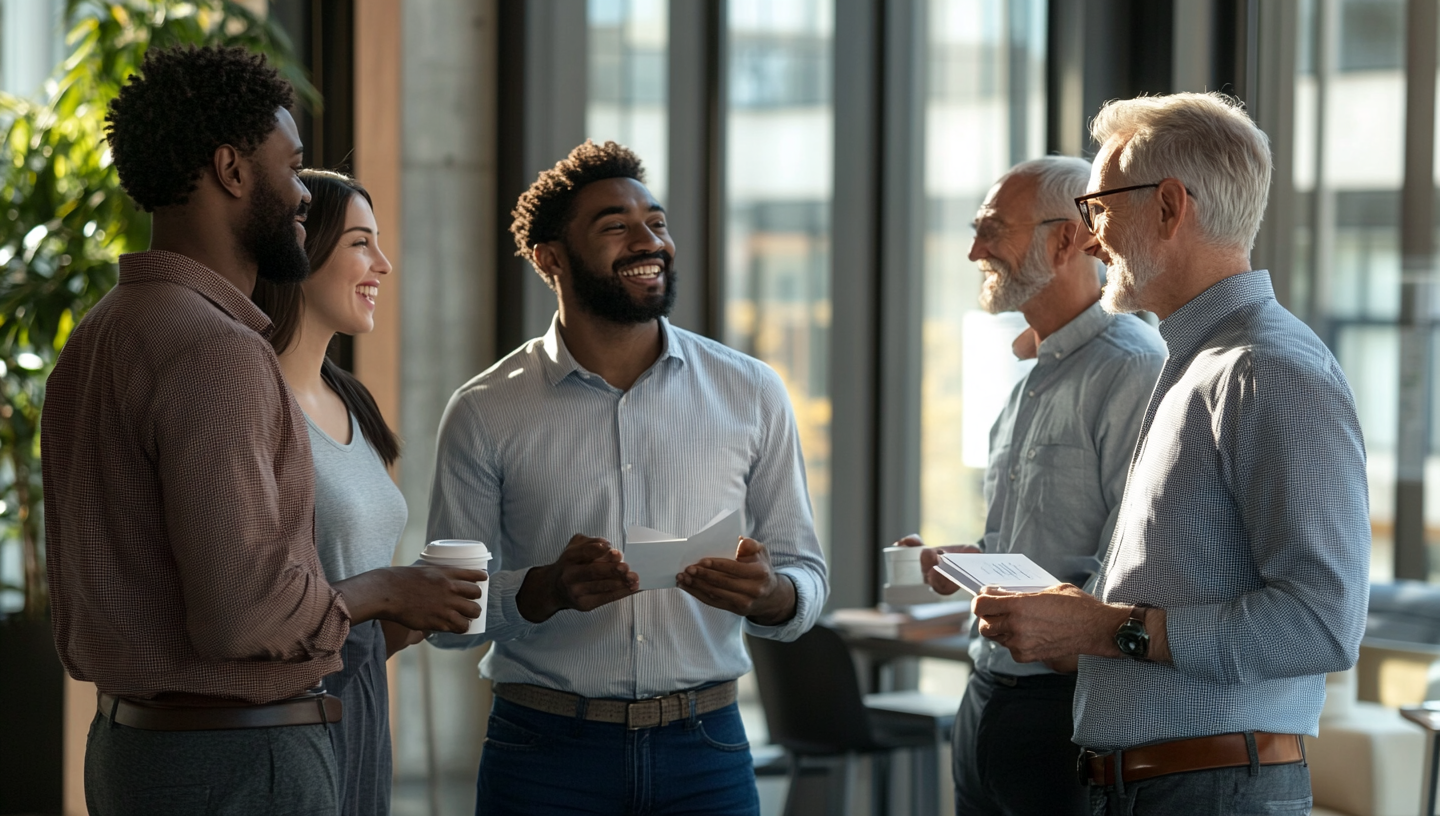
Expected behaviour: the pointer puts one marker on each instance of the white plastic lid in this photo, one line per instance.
(454, 549)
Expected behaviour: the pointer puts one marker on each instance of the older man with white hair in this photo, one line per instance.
(1059, 452)
(1238, 573)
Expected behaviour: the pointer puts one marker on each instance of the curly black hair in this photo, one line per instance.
(165, 127)
(545, 210)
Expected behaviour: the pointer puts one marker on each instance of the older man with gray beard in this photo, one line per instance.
(1238, 574)
(1058, 459)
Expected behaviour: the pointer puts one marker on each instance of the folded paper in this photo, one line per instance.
(657, 557)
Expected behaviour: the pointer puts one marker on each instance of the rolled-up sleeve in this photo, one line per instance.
(240, 532)
(778, 504)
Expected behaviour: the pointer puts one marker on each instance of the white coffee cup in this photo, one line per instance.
(904, 580)
(902, 566)
(453, 552)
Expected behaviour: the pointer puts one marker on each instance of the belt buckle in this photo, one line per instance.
(643, 714)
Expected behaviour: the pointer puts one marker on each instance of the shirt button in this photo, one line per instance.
(1031, 454)
(639, 638)
(624, 398)
(1012, 477)
(628, 466)
(1030, 393)
(1058, 355)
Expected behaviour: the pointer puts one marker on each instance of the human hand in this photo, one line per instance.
(588, 574)
(428, 598)
(1064, 665)
(930, 558)
(398, 638)
(747, 586)
(1056, 624)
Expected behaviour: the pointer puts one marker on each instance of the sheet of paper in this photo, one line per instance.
(657, 556)
(1012, 571)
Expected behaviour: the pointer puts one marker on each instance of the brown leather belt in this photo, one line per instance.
(1198, 754)
(220, 715)
(656, 711)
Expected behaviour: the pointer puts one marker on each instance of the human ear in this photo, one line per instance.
(549, 262)
(1174, 205)
(1067, 242)
(228, 167)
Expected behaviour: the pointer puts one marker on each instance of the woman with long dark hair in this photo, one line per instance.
(359, 512)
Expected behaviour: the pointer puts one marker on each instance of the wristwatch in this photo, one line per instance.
(1131, 638)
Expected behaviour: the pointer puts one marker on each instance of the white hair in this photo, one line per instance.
(1207, 142)
(1059, 180)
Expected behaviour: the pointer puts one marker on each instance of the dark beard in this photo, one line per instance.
(606, 297)
(268, 236)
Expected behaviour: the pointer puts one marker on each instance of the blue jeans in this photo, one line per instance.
(1272, 791)
(540, 764)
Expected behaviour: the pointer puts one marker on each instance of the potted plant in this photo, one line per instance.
(64, 221)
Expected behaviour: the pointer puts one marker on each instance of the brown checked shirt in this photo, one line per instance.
(179, 498)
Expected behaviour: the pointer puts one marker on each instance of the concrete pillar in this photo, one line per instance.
(448, 72)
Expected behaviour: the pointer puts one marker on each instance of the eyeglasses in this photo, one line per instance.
(1083, 202)
(987, 230)
(1088, 215)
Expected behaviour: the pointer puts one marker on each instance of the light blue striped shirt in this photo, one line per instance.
(537, 449)
(1246, 517)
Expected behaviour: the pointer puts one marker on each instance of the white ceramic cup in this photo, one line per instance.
(902, 566)
(467, 555)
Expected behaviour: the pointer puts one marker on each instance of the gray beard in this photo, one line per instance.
(1127, 278)
(1011, 288)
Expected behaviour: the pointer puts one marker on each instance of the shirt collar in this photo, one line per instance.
(559, 364)
(1081, 329)
(1192, 323)
(182, 270)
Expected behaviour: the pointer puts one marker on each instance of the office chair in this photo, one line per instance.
(816, 711)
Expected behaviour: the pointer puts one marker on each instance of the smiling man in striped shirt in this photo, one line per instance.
(609, 699)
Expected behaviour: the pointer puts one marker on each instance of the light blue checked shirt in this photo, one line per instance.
(537, 449)
(1246, 518)
(1060, 451)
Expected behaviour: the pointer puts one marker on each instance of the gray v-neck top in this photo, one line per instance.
(359, 512)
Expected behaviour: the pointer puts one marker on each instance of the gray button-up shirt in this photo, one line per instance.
(538, 449)
(1247, 519)
(1060, 451)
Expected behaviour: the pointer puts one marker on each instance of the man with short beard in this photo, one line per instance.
(1238, 574)
(179, 490)
(1059, 452)
(611, 700)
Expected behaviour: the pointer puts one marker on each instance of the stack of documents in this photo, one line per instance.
(921, 623)
(1012, 571)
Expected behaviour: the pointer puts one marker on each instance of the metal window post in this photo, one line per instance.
(1417, 247)
(855, 260)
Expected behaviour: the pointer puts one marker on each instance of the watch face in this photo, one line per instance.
(1132, 640)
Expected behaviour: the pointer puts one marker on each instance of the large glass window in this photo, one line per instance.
(985, 111)
(628, 81)
(778, 132)
(1349, 170)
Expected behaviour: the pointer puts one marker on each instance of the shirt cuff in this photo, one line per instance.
(1193, 634)
(807, 591)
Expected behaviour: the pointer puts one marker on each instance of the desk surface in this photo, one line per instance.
(954, 647)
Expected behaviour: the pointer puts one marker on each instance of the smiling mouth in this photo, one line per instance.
(367, 292)
(648, 270)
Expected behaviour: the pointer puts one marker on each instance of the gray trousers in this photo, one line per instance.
(288, 770)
